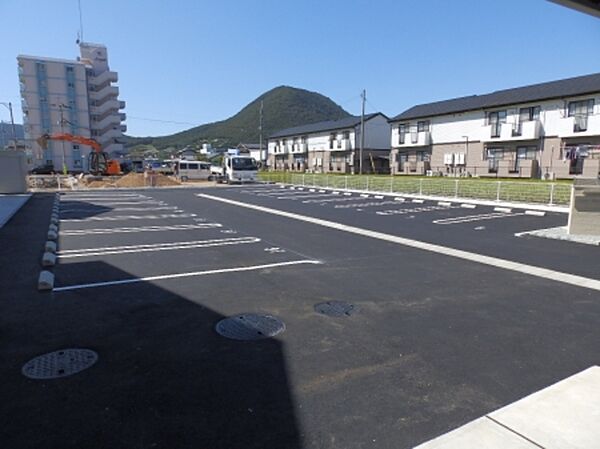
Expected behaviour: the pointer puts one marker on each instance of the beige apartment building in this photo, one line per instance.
(549, 130)
(70, 96)
(332, 146)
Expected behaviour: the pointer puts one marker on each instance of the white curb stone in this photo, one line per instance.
(48, 259)
(46, 281)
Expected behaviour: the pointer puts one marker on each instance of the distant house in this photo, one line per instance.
(188, 154)
(332, 146)
(254, 150)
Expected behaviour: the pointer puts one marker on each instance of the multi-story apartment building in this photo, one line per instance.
(332, 146)
(549, 130)
(70, 96)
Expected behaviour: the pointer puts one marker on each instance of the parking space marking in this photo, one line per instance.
(332, 200)
(111, 250)
(183, 227)
(301, 197)
(125, 203)
(119, 209)
(129, 217)
(478, 217)
(544, 273)
(101, 199)
(370, 204)
(188, 274)
(389, 212)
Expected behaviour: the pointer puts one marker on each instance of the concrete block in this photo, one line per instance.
(506, 210)
(468, 206)
(418, 201)
(45, 281)
(537, 213)
(48, 259)
(444, 203)
(53, 228)
(52, 235)
(50, 246)
(54, 220)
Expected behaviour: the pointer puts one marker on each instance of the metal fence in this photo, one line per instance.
(514, 191)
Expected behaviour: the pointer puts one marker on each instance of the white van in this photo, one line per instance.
(193, 170)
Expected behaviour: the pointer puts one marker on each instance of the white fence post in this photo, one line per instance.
(498, 191)
(421, 186)
(552, 194)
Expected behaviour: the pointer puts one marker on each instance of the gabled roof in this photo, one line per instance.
(569, 87)
(250, 146)
(329, 125)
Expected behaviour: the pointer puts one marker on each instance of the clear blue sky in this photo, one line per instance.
(199, 61)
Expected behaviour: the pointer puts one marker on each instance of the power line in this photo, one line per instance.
(160, 121)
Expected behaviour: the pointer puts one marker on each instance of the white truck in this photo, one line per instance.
(237, 168)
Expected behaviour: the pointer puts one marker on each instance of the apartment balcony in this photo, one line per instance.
(299, 148)
(103, 78)
(579, 126)
(123, 128)
(122, 116)
(109, 136)
(112, 104)
(110, 120)
(416, 139)
(530, 130)
(105, 92)
(346, 145)
(285, 149)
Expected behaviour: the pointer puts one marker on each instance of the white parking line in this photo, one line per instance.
(412, 210)
(189, 274)
(472, 218)
(127, 230)
(544, 273)
(300, 197)
(130, 217)
(101, 199)
(117, 209)
(334, 200)
(125, 203)
(371, 204)
(103, 251)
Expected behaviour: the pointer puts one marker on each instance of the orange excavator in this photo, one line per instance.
(99, 162)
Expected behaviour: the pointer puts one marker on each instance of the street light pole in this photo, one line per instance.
(12, 121)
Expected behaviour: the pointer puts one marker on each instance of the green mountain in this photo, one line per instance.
(283, 107)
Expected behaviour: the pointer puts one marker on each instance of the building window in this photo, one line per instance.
(303, 139)
(495, 120)
(69, 69)
(494, 155)
(422, 156)
(402, 129)
(332, 138)
(529, 114)
(580, 110)
(346, 135)
(423, 126)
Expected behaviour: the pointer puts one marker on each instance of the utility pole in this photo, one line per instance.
(260, 128)
(363, 96)
(12, 121)
(61, 107)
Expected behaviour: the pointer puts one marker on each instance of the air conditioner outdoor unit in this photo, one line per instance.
(549, 176)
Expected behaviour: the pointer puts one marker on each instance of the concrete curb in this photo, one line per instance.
(46, 281)
(48, 259)
(50, 246)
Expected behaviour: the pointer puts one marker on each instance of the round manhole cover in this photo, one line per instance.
(59, 363)
(335, 308)
(250, 326)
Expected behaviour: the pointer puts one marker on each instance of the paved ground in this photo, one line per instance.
(436, 342)
(9, 205)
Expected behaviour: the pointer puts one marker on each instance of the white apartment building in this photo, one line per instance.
(71, 96)
(549, 130)
(332, 146)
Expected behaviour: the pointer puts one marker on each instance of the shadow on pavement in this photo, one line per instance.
(164, 378)
(72, 210)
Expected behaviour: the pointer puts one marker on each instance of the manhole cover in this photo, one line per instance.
(59, 363)
(336, 308)
(250, 326)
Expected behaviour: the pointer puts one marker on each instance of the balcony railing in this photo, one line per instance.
(417, 139)
(579, 125)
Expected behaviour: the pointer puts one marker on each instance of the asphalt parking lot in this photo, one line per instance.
(144, 276)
